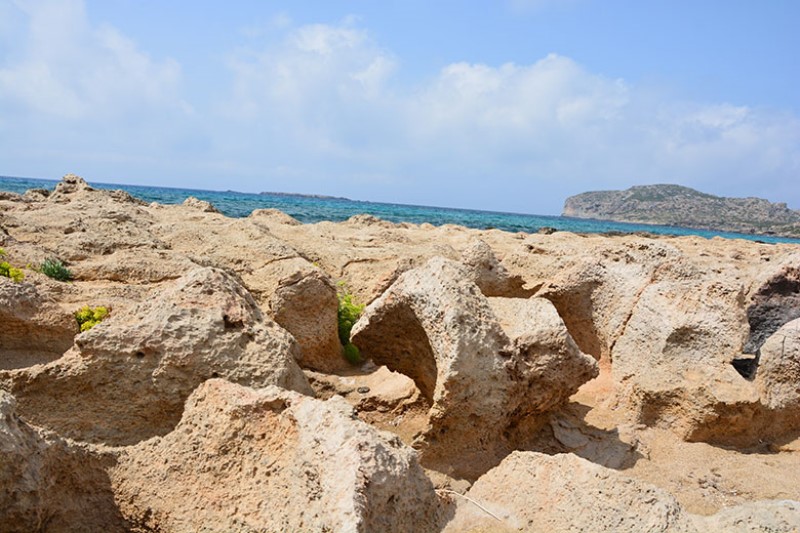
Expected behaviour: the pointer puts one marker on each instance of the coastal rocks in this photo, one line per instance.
(533, 492)
(435, 326)
(35, 329)
(305, 304)
(772, 305)
(272, 460)
(127, 378)
(778, 375)
(48, 484)
(673, 368)
(201, 205)
(547, 365)
(774, 516)
(489, 274)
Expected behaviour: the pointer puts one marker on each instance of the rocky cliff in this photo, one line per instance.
(675, 205)
(510, 382)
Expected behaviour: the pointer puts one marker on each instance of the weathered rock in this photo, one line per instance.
(435, 326)
(778, 375)
(673, 366)
(127, 378)
(774, 516)
(34, 328)
(772, 305)
(201, 205)
(306, 306)
(548, 367)
(50, 485)
(533, 492)
(489, 274)
(274, 215)
(250, 460)
(134, 266)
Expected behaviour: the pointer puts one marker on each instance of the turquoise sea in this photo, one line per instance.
(312, 209)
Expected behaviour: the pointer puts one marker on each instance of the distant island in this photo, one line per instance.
(675, 205)
(299, 195)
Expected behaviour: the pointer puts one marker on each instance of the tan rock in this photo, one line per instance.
(127, 378)
(778, 374)
(305, 304)
(35, 329)
(50, 485)
(435, 326)
(489, 274)
(250, 460)
(533, 492)
(775, 516)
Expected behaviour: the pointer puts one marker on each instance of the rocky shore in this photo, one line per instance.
(509, 382)
(675, 205)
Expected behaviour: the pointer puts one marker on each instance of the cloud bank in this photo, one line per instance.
(317, 108)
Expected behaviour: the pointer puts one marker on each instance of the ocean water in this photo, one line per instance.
(310, 210)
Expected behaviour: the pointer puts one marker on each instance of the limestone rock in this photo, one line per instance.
(489, 274)
(673, 364)
(201, 205)
(435, 326)
(533, 492)
(34, 328)
(306, 306)
(774, 516)
(250, 460)
(50, 485)
(127, 378)
(778, 374)
(548, 365)
(772, 305)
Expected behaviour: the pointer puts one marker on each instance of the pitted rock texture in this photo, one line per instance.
(435, 326)
(533, 492)
(127, 378)
(249, 460)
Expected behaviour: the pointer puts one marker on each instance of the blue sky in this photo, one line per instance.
(508, 105)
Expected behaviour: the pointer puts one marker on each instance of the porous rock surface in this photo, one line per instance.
(273, 460)
(696, 342)
(533, 492)
(434, 325)
(127, 378)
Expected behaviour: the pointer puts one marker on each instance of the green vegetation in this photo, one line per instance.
(9, 271)
(88, 318)
(348, 314)
(54, 268)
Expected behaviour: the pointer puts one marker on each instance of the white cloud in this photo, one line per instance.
(69, 69)
(317, 109)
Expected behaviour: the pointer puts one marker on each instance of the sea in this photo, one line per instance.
(311, 209)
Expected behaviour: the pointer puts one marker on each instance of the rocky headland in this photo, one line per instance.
(508, 382)
(675, 205)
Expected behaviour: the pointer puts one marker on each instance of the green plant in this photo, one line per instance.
(352, 354)
(88, 318)
(8, 271)
(348, 314)
(54, 268)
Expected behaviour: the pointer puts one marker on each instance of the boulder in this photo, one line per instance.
(489, 274)
(250, 460)
(127, 378)
(434, 325)
(305, 304)
(673, 366)
(778, 380)
(201, 205)
(534, 492)
(774, 516)
(50, 485)
(35, 329)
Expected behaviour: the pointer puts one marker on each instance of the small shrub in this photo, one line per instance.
(54, 268)
(10, 272)
(88, 318)
(348, 314)
(352, 354)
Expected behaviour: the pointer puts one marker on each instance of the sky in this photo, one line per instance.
(503, 105)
